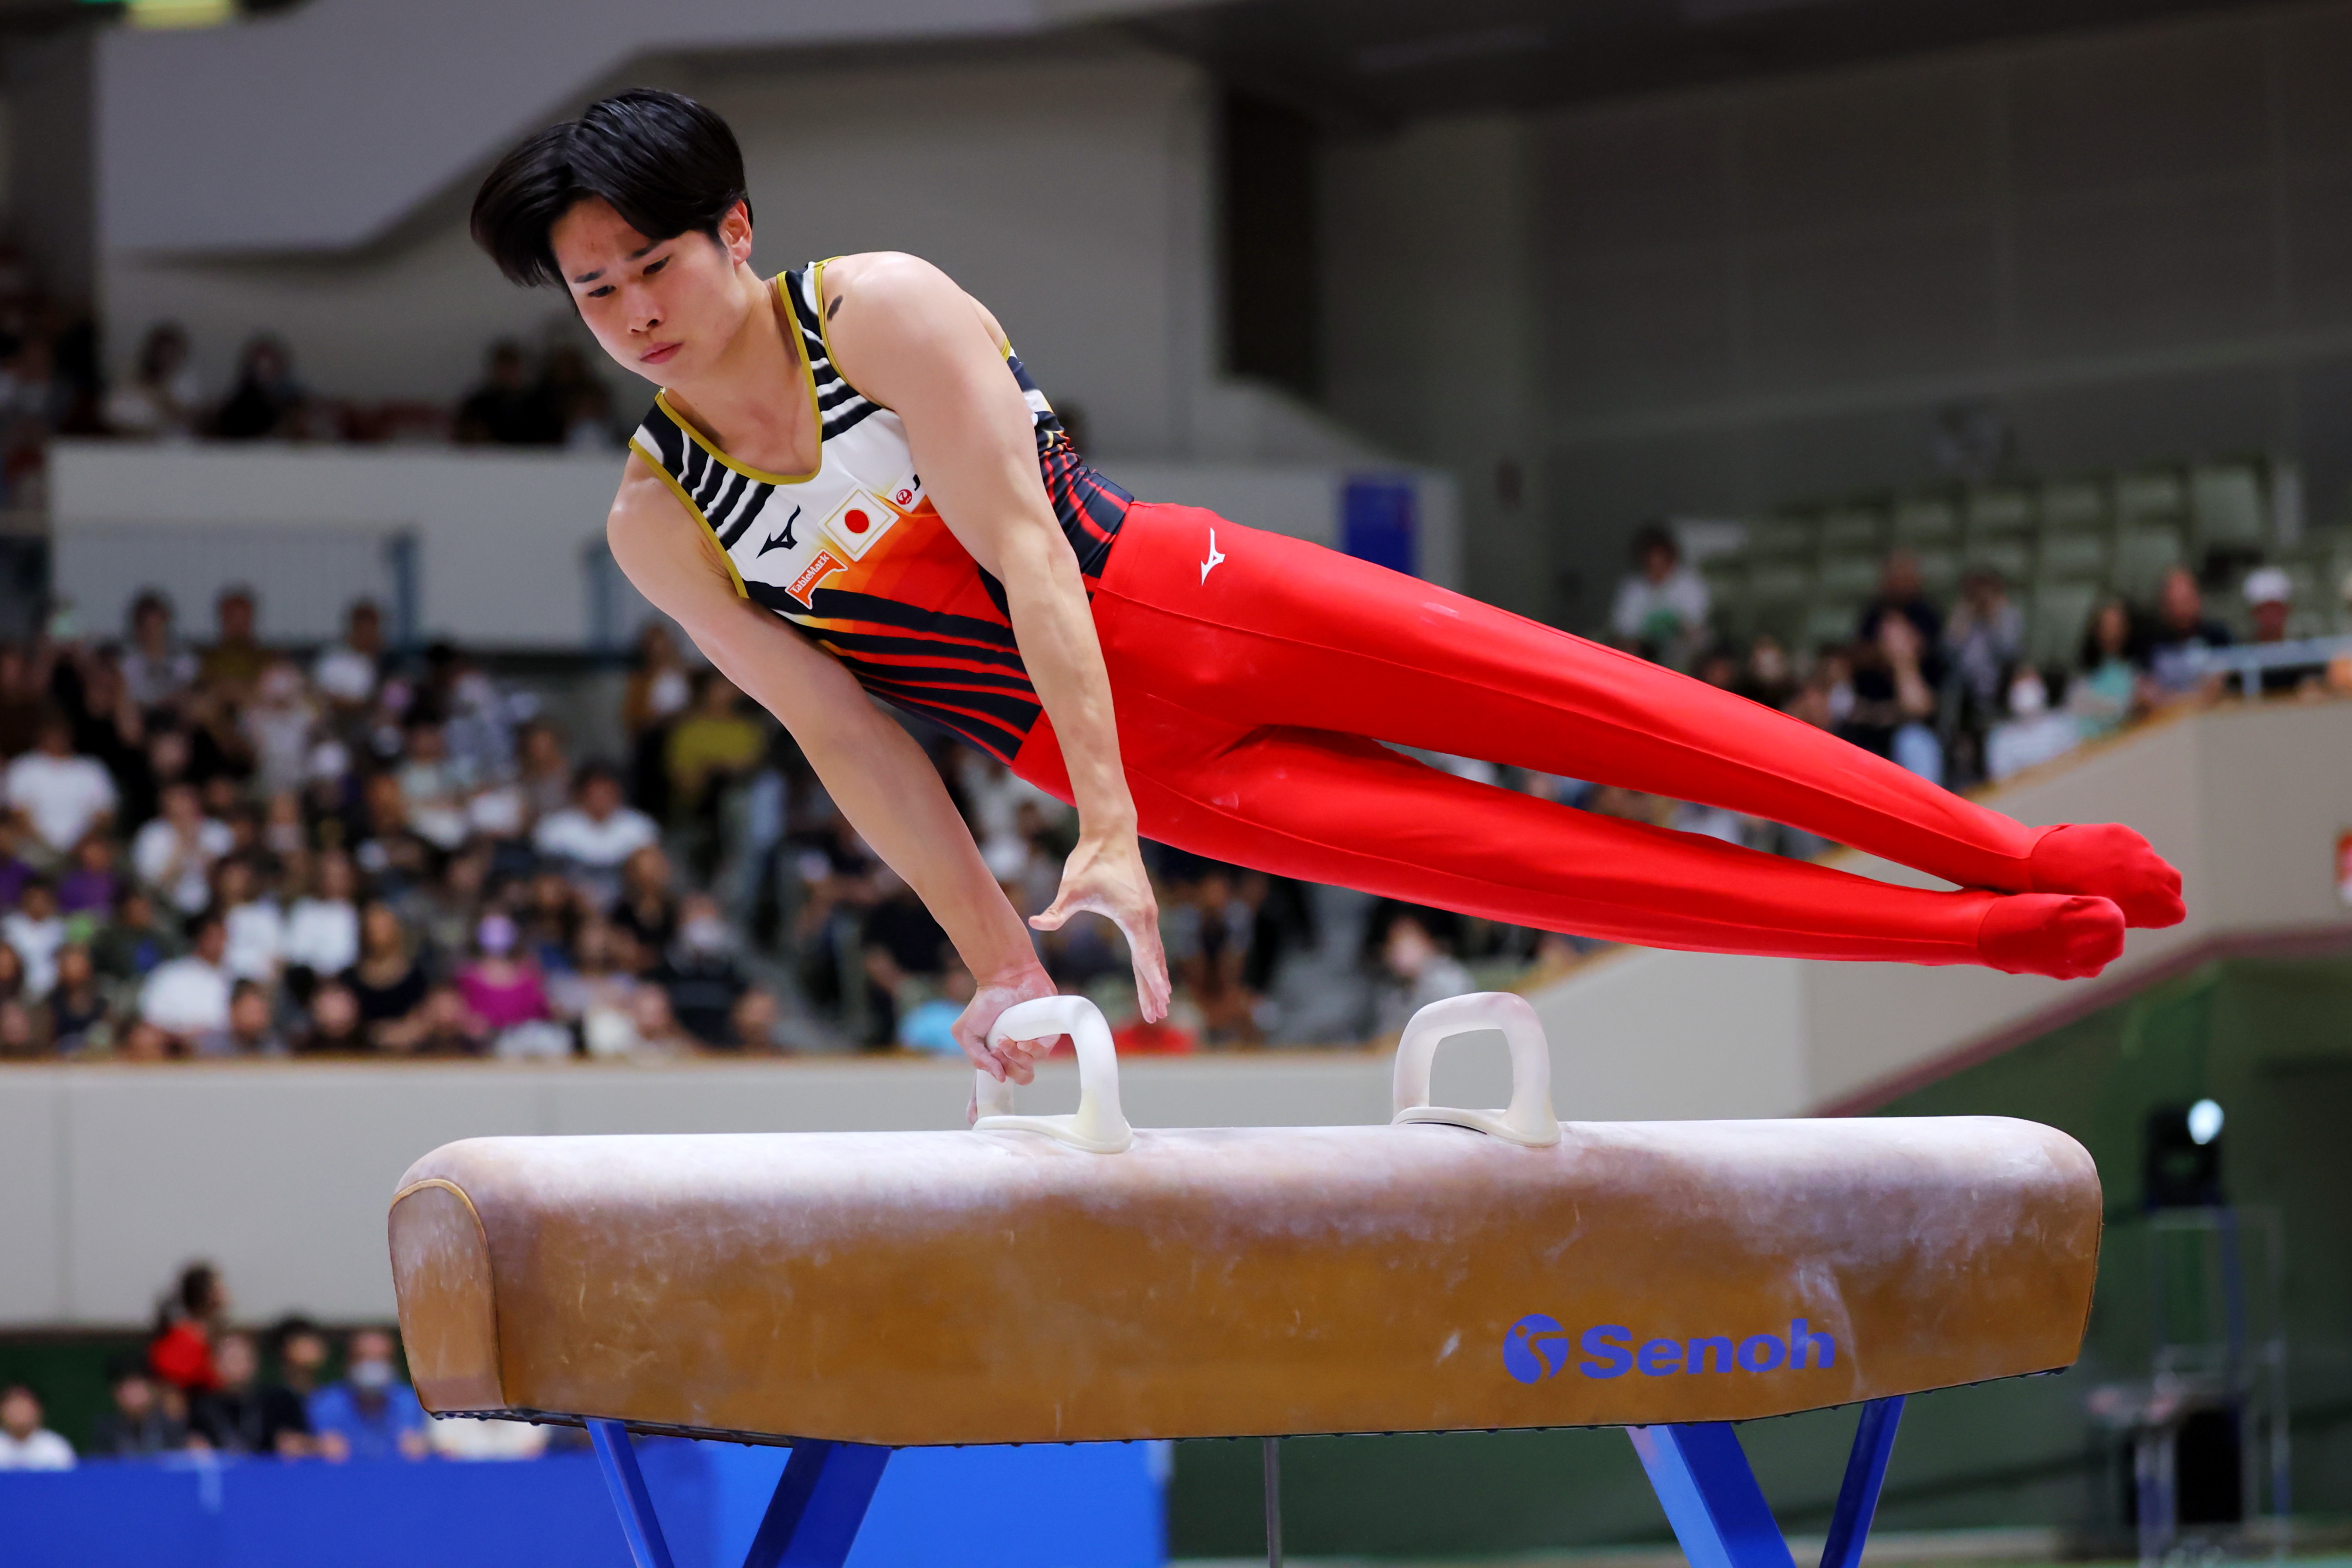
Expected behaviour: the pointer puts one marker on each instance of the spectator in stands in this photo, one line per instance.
(371, 1414)
(1902, 591)
(657, 692)
(80, 1015)
(24, 1443)
(1209, 931)
(1985, 636)
(35, 930)
(136, 942)
(904, 951)
(505, 409)
(1769, 677)
(138, 1426)
(323, 929)
(32, 404)
(930, 1025)
(544, 772)
(302, 1355)
(277, 726)
(156, 667)
(646, 912)
(1662, 606)
(2032, 734)
(162, 399)
(392, 856)
(332, 1025)
(174, 854)
(433, 786)
(245, 1414)
(267, 402)
(1894, 700)
(186, 1000)
(590, 839)
(188, 1321)
(701, 974)
(232, 667)
(712, 746)
(62, 796)
(23, 700)
(88, 885)
(2182, 630)
(504, 993)
(655, 1029)
(388, 982)
(2105, 693)
(596, 992)
(15, 872)
(579, 407)
(256, 926)
(252, 1025)
(2270, 603)
(348, 674)
(1420, 969)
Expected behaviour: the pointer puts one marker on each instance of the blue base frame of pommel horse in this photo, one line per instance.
(1700, 1474)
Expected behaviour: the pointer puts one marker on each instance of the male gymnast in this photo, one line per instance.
(848, 484)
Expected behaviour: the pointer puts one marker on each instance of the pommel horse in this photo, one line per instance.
(1071, 1278)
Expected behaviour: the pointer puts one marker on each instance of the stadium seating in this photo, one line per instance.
(2061, 545)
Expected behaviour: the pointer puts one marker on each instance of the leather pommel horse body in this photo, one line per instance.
(1068, 1279)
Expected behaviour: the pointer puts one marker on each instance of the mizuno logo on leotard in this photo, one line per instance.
(784, 540)
(1216, 557)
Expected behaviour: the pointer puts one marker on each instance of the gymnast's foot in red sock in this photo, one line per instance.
(2065, 936)
(2109, 861)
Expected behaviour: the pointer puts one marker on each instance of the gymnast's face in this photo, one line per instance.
(665, 309)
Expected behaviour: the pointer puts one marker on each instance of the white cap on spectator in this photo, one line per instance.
(2269, 585)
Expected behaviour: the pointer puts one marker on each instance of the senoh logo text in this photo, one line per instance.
(1537, 1347)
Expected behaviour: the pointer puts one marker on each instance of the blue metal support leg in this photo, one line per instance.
(820, 1501)
(1718, 1512)
(1865, 1473)
(618, 1460)
(1710, 1495)
(810, 1522)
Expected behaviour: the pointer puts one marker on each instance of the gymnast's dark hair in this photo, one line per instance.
(667, 164)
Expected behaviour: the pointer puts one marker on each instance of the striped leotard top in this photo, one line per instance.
(856, 555)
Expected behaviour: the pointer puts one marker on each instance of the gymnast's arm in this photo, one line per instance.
(872, 767)
(906, 335)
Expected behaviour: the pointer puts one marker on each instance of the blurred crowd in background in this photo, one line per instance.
(1946, 689)
(53, 382)
(202, 1386)
(224, 848)
(221, 845)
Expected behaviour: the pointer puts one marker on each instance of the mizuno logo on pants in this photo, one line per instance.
(1216, 557)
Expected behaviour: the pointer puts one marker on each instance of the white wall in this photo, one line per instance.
(2247, 801)
(1066, 189)
(502, 536)
(2132, 242)
(113, 1176)
(281, 1173)
(320, 127)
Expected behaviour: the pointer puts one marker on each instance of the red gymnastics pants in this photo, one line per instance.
(1254, 676)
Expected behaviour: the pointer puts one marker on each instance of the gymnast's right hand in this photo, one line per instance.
(1016, 1059)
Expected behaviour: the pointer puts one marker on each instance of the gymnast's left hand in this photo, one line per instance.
(1105, 875)
(1016, 1060)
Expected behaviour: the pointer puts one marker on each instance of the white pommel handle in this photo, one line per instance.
(1530, 1120)
(1097, 1125)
